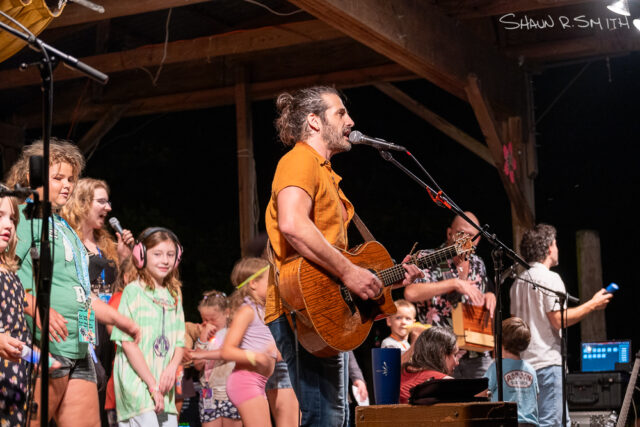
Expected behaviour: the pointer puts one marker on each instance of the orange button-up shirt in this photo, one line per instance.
(305, 168)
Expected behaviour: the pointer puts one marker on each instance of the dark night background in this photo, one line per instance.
(180, 171)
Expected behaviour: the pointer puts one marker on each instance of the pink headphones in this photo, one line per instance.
(139, 251)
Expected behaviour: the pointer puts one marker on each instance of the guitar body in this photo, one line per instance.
(329, 318)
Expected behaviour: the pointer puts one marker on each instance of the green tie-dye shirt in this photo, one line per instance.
(132, 396)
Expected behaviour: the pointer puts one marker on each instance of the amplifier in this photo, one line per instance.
(589, 391)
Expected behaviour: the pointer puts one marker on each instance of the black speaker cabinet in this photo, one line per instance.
(589, 391)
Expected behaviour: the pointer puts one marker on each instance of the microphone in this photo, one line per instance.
(89, 5)
(18, 191)
(572, 299)
(356, 137)
(115, 224)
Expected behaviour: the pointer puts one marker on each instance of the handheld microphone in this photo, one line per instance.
(356, 137)
(115, 224)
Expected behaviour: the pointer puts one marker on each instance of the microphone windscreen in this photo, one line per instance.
(355, 137)
(115, 224)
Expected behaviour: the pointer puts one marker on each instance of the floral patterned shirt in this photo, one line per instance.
(437, 310)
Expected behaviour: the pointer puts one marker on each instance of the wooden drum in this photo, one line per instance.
(473, 326)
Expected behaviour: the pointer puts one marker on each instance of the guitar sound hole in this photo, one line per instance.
(347, 298)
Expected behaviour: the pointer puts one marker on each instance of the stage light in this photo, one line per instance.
(636, 23)
(621, 7)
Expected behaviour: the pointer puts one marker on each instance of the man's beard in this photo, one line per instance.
(335, 138)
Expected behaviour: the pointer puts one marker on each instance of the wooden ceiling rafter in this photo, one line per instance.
(216, 97)
(461, 137)
(201, 48)
(74, 14)
(592, 46)
(485, 8)
(93, 136)
(418, 36)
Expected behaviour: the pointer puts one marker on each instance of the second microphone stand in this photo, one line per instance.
(562, 300)
(499, 250)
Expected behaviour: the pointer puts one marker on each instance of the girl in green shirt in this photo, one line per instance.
(145, 372)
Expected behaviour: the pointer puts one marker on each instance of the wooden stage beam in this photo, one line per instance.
(418, 36)
(75, 14)
(461, 137)
(201, 48)
(215, 97)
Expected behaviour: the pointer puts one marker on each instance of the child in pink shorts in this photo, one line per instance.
(249, 343)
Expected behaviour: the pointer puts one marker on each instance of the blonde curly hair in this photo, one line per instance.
(75, 211)
(60, 151)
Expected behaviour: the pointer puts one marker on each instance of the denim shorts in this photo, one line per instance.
(81, 369)
(279, 378)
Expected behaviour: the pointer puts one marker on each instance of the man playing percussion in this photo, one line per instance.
(452, 282)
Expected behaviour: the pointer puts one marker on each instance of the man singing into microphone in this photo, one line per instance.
(541, 311)
(308, 215)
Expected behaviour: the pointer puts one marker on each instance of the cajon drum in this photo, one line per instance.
(473, 326)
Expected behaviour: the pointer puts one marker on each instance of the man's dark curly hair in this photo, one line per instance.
(535, 243)
(293, 109)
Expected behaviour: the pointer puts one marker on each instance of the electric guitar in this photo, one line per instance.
(329, 318)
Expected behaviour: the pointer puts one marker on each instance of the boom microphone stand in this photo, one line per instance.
(441, 199)
(50, 56)
(562, 299)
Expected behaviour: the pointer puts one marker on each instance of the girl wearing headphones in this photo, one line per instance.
(145, 373)
(86, 212)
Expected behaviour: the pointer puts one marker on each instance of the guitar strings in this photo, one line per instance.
(396, 273)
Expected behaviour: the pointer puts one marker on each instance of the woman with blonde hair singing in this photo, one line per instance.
(86, 212)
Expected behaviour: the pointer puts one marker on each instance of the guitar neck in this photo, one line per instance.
(396, 273)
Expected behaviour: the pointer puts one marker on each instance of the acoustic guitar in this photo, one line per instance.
(329, 318)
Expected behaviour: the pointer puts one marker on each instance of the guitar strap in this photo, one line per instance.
(364, 231)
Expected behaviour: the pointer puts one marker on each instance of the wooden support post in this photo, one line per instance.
(492, 133)
(593, 327)
(92, 138)
(512, 133)
(247, 191)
